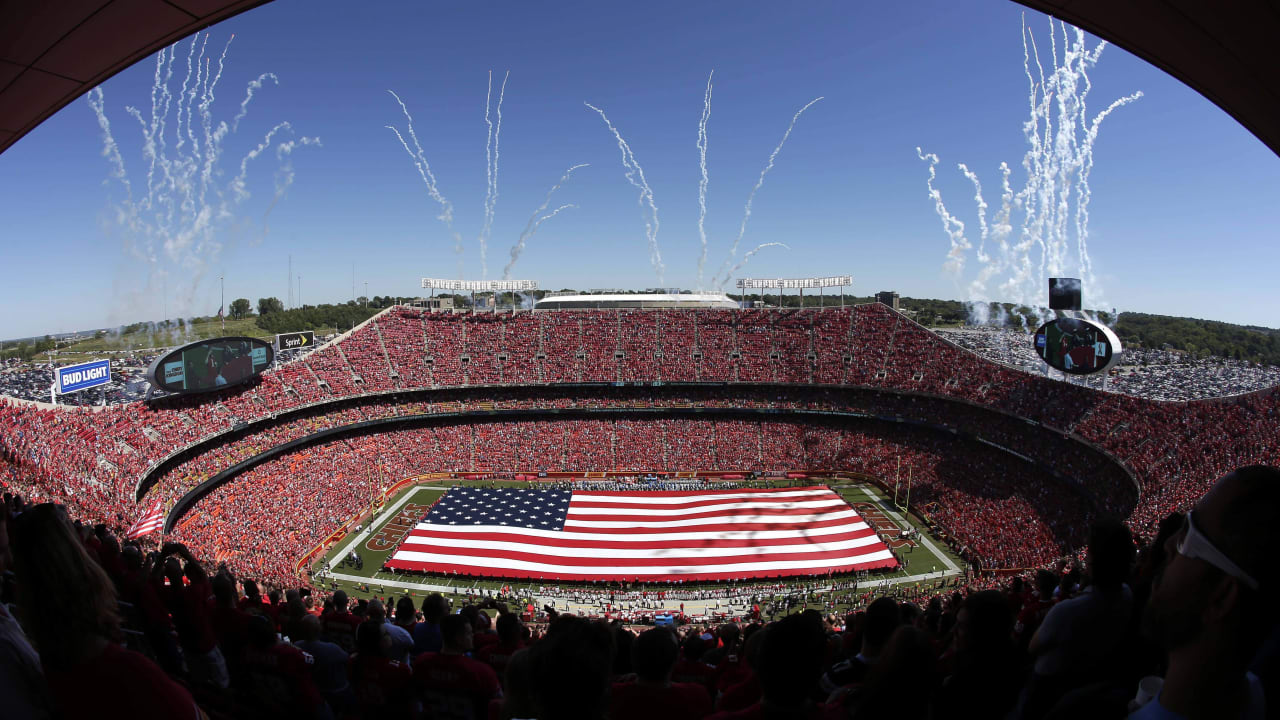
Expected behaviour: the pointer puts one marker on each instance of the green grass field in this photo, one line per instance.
(921, 559)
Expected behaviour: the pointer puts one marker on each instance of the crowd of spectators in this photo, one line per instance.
(1153, 374)
(1180, 627)
(999, 511)
(94, 458)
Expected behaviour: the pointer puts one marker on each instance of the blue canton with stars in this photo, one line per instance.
(514, 507)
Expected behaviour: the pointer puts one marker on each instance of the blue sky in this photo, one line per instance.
(1182, 221)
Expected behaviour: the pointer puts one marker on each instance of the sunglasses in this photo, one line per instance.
(1195, 545)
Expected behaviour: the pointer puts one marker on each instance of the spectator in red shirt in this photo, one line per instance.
(511, 638)
(69, 605)
(383, 686)
(279, 675)
(570, 670)
(189, 604)
(451, 685)
(338, 626)
(1035, 608)
(230, 624)
(690, 668)
(791, 656)
(653, 694)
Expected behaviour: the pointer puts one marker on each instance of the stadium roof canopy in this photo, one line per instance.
(636, 300)
(1222, 49)
(52, 52)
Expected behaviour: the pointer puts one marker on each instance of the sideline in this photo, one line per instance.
(376, 522)
(952, 568)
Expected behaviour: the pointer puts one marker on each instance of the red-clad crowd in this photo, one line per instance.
(94, 458)
(1178, 627)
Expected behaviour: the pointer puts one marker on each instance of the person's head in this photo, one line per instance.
(653, 655)
(984, 625)
(261, 632)
(173, 571)
(1214, 596)
(570, 669)
(434, 607)
(308, 628)
(882, 619)
(66, 598)
(251, 590)
(792, 656)
(902, 682)
(372, 638)
(224, 591)
(339, 600)
(729, 634)
(375, 611)
(510, 629)
(456, 634)
(472, 615)
(1110, 554)
(405, 612)
(693, 647)
(1046, 581)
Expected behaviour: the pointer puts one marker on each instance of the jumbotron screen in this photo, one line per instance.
(211, 364)
(1077, 346)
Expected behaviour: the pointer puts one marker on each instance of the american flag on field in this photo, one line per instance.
(657, 536)
(147, 524)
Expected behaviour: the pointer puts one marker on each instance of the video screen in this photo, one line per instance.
(214, 365)
(1064, 293)
(1073, 346)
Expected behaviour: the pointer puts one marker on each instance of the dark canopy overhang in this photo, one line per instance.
(53, 52)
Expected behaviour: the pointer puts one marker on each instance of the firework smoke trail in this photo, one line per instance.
(173, 228)
(757, 249)
(634, 171)
(746, 215)
(284, 175)
(702, 184)
(253, 87)
(428, 178)
(982, 211)
(953, 227)
(1053, 235)
(182, 93)
(488, 167)
(491, 169)
(534, 222)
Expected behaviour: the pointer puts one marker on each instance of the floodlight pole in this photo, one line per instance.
(222, 307)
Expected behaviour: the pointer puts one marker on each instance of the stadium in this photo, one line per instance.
(643, 460)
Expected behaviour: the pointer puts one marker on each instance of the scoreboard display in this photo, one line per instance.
(1076, 346)
(211, 364)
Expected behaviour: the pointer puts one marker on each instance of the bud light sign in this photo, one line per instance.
(74, 378)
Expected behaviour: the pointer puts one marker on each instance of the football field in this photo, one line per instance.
(927, 561)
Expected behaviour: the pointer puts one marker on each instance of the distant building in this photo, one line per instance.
(888, 297)
(434, 303)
